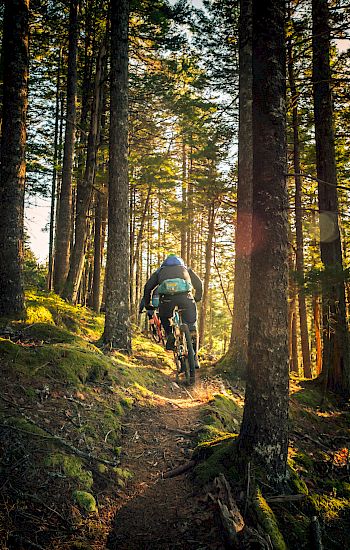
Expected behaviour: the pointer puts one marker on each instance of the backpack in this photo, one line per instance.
(174, 286)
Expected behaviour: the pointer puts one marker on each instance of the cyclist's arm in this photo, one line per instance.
(149, 286)
(197, 285)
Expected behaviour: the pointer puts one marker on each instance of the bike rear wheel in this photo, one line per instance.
(190, 367)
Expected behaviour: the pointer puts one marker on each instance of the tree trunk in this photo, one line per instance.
(100, 216)
(208, 256)
(85, 187)
(316, 312)
(264, 432)
(184, 202)
(141, 228)
(292, 327)
(117, 323)
(336, 360)
(238, 350)
(64, 222)
(13, 165)
(54, 175)
(304, 333)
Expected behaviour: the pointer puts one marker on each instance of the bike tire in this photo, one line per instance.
(154, 334)
(190, 366)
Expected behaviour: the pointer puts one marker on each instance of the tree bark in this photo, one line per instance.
(208, 256)
(264, 432)
(64, 222)
(292, 328)
(336, 359)
(238, 350)
(304, 333)
(117, 323)
(100, 216)
(85, 187)
(13, 165)
(54, 175)
(184, 202)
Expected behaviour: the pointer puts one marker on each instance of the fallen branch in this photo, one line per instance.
(181, 432)
(285, 498)
(179, 470)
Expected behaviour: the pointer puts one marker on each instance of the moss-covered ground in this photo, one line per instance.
(63, 403)
(60, 393)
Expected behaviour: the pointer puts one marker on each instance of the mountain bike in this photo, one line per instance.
(155, 328)
(183, 348)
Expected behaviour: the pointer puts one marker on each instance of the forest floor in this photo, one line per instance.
(156, 512)
(90, 443)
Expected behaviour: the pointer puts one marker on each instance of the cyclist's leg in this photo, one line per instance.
(166, 307)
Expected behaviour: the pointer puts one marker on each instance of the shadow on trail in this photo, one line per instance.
(154, 512)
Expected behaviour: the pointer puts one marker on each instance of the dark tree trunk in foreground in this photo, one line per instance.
(117, 323)
(64, 221)
(85, 188)
(264, 431)
(304, 333)
(336, 367)
(13, 166)
(238, 350)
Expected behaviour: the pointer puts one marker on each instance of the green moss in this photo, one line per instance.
(69, 363)
(304, 460)
(329, 507)
(232, 367)
(122, 475)
(43, 307)
(141, 390)
(72, 466)
(296, 529)
(309, 396)
(295, 480)
(267, 520)
(216, 457)
(223, 412)
(48, 333)
(126, 402)
(38, 314)
(23, 424)
(85, 500)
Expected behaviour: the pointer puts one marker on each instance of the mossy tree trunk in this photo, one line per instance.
(13, 143)
(117, 323)
(336, 358)
(264, 431)
(238, 350)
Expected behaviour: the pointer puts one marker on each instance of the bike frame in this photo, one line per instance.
(156, 328)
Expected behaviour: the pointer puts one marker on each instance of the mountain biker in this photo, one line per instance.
(179, 286)
(154, 304)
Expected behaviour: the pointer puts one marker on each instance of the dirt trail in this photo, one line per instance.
(158, 513)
